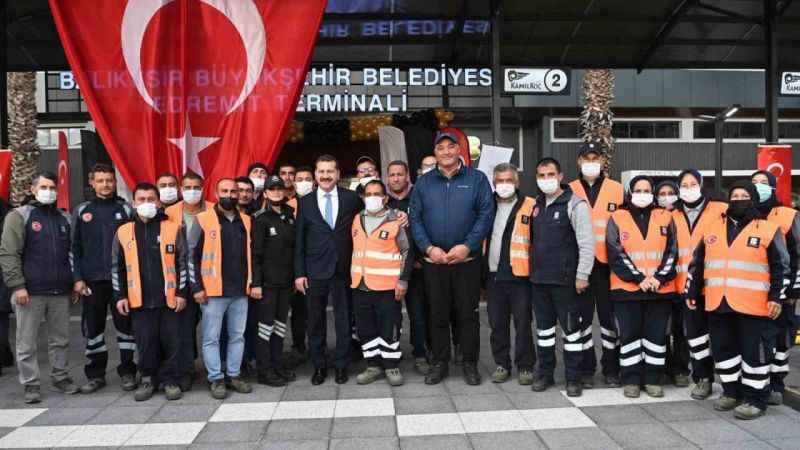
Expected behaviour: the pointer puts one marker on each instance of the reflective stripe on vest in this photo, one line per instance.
(127, 238)
(608, 200)
(688, 240)
(520, 248)
(376, 257)
(211, 258)
(739, 273)
(645, 253)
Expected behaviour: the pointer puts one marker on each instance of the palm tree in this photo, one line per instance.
(22, 132)
(597, 119)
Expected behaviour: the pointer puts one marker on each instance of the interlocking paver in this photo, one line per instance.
(651, 435)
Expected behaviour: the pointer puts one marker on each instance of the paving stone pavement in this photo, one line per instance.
(451, 415)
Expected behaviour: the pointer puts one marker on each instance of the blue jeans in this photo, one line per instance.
(214, 311)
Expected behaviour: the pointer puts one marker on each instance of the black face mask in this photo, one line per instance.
(227, 203)
(740, 209)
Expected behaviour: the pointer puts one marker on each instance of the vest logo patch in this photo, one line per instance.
(117, 216)
(556, 215)
(611, 207)
(273, 231)
(664, 231)
(753, 241)
(36, 226)
(535, 211)
(624, 236)
(130, 245)
(526, 220)
(711, 239)
(170, 248)
(212, 234)
(87, 217)
(384, 235)
(355, 233)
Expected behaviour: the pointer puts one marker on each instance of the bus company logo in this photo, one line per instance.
(36, 226)
(624, 236)
(87, 217)
(711, 239)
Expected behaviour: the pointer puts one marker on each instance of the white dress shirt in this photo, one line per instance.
(321, 200)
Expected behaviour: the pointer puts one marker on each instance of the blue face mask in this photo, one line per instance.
(764, 192)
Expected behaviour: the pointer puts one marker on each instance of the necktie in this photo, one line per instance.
(329, 210)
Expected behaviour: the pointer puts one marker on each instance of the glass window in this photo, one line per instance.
(703, 130)
(789, 130)
(620, 130)
(565, 129)
(641, 130)
(751, 130)
(667, 130)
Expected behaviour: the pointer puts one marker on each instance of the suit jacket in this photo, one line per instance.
(322, 252)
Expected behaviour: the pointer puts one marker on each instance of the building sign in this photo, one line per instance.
(790, 83)
(528, 80)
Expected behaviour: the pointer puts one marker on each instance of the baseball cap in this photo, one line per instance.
(366, 159)
(274, 181)
(444, 135)
(589, 147)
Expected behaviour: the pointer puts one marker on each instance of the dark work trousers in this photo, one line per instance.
(378, 319)
(783, 342)
(93, 324)
(506, 300)
(454, 292)
(417, 308)
(695, 328)
(318, 292)
(6, 355)
(596, 297)
(553, 305)
(299, 307)
(158, 341)
(677, 346)
(743, 348)
(642, 326)
(187, 331)
(251, 332)
(271, 313)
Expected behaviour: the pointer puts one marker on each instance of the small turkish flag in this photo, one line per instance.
(5, 173)
(206, 85)
(777, 159)
(63, 172)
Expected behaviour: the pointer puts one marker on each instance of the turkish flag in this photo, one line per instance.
(777, 159)
(5, 173)
(63, 172)
(206, 85)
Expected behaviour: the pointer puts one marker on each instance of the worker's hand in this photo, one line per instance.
(21, 297)
(402, 219)
(400, 292)
(581, 285)
(180, 304)
(437, 255)
(457, 254)
(201, 297)
(255, 293)
(80, 288)
(646, 285)
(123, 307)
(774, 310)
(691, 304)
(301, 284)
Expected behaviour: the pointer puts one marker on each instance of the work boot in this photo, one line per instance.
(525, 377)
(369, 375)
(746, 411)
(438, 372)
(631, 390)
(394, 377)
(186, 383)
(587, 381)
(145, 390)
(574, 388)
(287, 374)
(775, 398)
(542, 383)
(128, 382)
(500, 375)
(93, 385)
(172, 391)
(612, 381)
(701, 389)
(459, 356)
(725, 403)
(654, 390)
(66, 386)
(32, 394)
(218, 389)
(680, 380)
(421, 365)
(270, 377)
(471, 375)
(239, 385)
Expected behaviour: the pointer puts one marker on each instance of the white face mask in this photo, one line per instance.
(46, 196)
(366, 180)
(146, 210)
(505, 190)
(168, 194)
(258, 183)
(303, 187)
(548, 186)
(192, 196)
(591, 169)
(642, 199)
(373, 204)
(665, 201)
(690, 195)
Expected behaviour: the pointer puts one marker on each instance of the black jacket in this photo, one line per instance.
(272, 246)
(94, 224)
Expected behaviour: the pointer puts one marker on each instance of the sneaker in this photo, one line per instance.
(287, 374)
(270, 377)
(32, 394)
(421, 366)
(66, 386)
(239, 385)
(746, 411)
(93, 385)
(394, 377)
(542, 383)
(438, 372)
(681, 380)
(725, 403)
(612, 381)
(702, 389)
(574, 388)
(369, 375)
(775, 398)
(631, 390)
(144, 391)
(218, 389)
(500, 375)
(471, 375)
(587, 381)
(525, 377)
(459, 356)
(128, 382)
(172, 392)
(654, 390)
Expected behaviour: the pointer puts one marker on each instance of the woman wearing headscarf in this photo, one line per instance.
(788, 220)
(642, 254)
(742, 264)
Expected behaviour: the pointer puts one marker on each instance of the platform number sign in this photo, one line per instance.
(537, 81)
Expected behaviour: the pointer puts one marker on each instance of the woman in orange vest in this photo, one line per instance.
(742, 266)
(788, 220)
(642, 254)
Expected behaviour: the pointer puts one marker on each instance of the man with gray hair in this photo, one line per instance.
(506, 271)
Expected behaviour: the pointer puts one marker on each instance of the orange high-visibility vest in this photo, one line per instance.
(609, 198)
(175, 212)
(127, 238)
(211, 260)
(783, 217)
(688, 240)
(519, 253)
(647, 252)
(739, 272)
(376, 257)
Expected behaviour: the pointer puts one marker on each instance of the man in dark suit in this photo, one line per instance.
(323, 252)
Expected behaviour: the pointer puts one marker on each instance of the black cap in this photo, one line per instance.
(366, 158)
(274, 181)
(444, 135)
(590, 147)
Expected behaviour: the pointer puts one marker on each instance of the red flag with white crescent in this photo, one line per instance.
(5, 173)
(63, 172)
(777, 159)
(173, 85)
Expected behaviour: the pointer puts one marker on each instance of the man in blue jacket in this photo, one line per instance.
(451, 212)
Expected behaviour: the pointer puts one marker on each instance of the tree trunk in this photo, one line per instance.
(22, 132)
(597, 119)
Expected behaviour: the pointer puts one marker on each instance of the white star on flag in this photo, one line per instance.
(191, 146)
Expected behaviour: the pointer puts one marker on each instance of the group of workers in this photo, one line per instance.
(678, 281)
